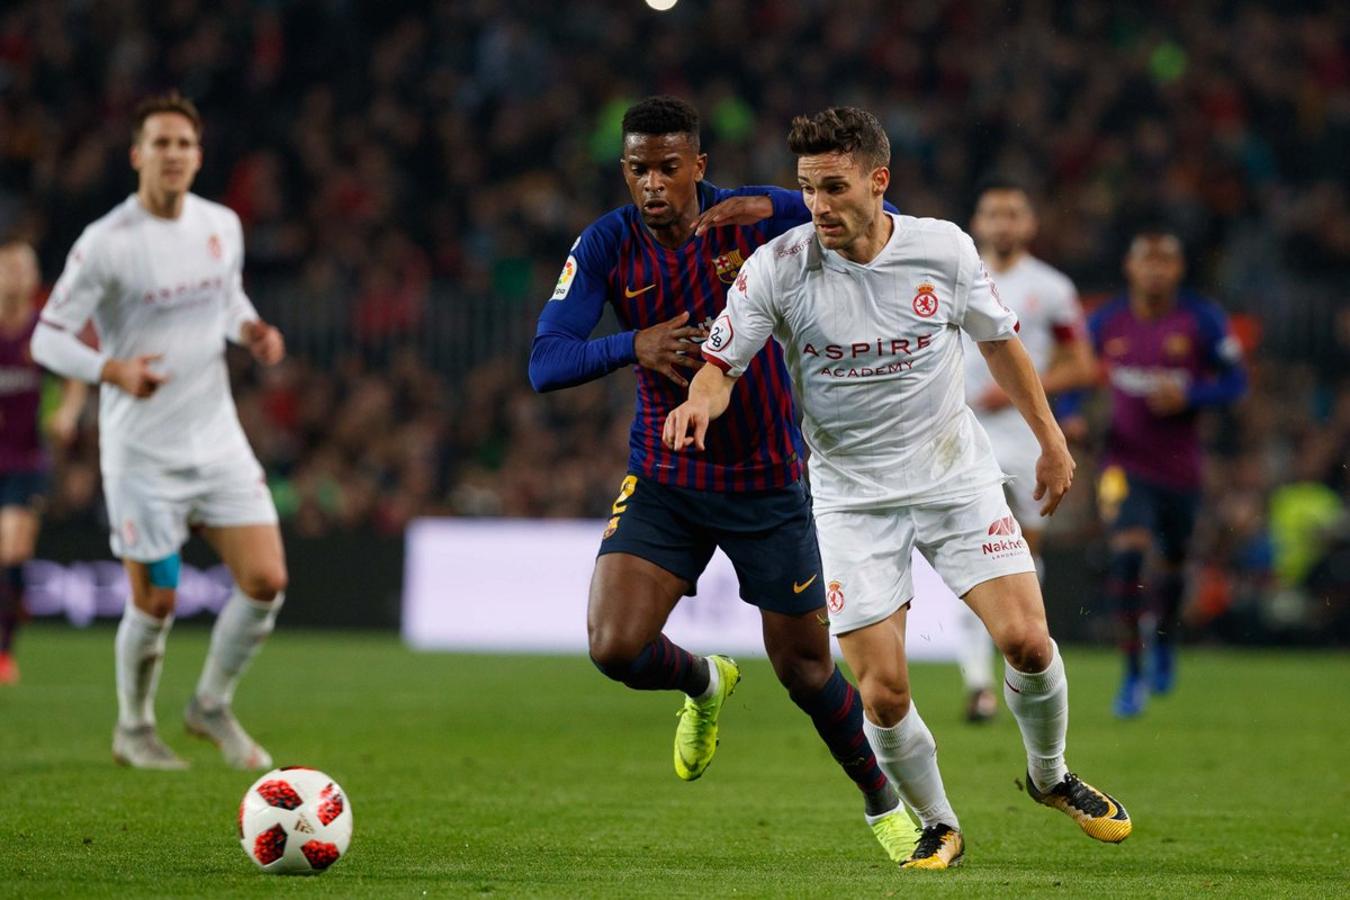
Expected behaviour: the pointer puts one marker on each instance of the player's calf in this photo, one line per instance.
(659, 665)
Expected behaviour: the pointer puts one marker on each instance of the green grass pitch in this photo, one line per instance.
(528, 776)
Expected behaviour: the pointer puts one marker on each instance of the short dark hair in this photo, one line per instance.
(841, 129)
(1000, 183)
(1155, 228)
(662, 115)
(171, 102)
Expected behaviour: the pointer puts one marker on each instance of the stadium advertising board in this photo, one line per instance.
(518, 585)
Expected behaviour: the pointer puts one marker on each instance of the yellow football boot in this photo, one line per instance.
(939, 847)
(696, 735)
(1097, 813)
(895, 832)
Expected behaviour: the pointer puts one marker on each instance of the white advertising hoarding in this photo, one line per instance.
(521, 585)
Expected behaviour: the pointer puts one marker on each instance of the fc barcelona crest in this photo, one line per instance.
(727, 265)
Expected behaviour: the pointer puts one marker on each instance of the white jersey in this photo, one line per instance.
(1046, 304)
(162, 286)
(875, 356)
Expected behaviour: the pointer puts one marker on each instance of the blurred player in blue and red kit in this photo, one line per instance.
(23, 459)
(1168, 354)
(664, 263)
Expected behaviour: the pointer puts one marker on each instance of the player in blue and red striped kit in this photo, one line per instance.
(1168, 354)
(664, 264)
(23, 459)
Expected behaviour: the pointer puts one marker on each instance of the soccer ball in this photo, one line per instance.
(295, 821)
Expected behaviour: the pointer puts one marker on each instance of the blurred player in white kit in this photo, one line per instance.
(1054, 334)
(161, 277)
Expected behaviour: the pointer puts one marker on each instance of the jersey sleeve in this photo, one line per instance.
(1065, 314)
(562, 354)
(1227, 379)
(748, 320)
(77, 293)
(980, 312)
(239, 308)
(81, 287)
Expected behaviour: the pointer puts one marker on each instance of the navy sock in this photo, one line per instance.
(661, 666)
(837, 712)
(11, 598)
(1127, 595)
(1168, 590)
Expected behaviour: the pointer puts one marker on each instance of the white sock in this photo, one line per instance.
(907, 754)
(975, 651)
(240, 629)
(714, 680)
(138, 654)
(1040, 704)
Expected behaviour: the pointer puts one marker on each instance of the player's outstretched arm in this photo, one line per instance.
(1014, 371)
(709, 395)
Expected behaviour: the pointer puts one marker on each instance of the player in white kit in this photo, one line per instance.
(161, 277)
(869, 308)
(1053, 333)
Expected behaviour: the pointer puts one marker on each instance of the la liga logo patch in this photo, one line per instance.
(565, 279)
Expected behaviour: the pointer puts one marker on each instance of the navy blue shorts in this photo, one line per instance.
(769, 536)
(1166, 512)
(27, 489)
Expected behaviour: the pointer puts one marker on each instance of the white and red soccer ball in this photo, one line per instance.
(295, 821)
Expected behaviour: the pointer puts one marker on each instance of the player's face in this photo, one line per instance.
(1155, 265)
(1004, 222)
(168, 154)
(663, 172)
(844, 197)
(19, 275)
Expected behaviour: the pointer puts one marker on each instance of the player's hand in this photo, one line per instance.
(1054, 476)
(994, 398)
(689, 415)
(264, 342)
(135, 375)
(734, 211)
(663, 347)
(1167, 399)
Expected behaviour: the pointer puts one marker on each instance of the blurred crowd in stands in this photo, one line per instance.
(410, 176)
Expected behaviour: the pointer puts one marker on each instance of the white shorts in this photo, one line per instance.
(151, 511)
(1017, 451)
(866, 554)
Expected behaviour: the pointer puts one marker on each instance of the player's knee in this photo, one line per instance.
(803, 676)
(1027, 646)
(265, 583)
(157, 602)
(885, 704)
(613, 653)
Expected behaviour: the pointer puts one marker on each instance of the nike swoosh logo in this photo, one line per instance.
(630, 294)
(798, 588)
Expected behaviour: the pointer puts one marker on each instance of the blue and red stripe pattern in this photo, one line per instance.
(756, 444)
(837, 712)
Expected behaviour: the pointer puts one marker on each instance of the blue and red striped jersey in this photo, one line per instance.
(1190, 345)
(756, 444)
